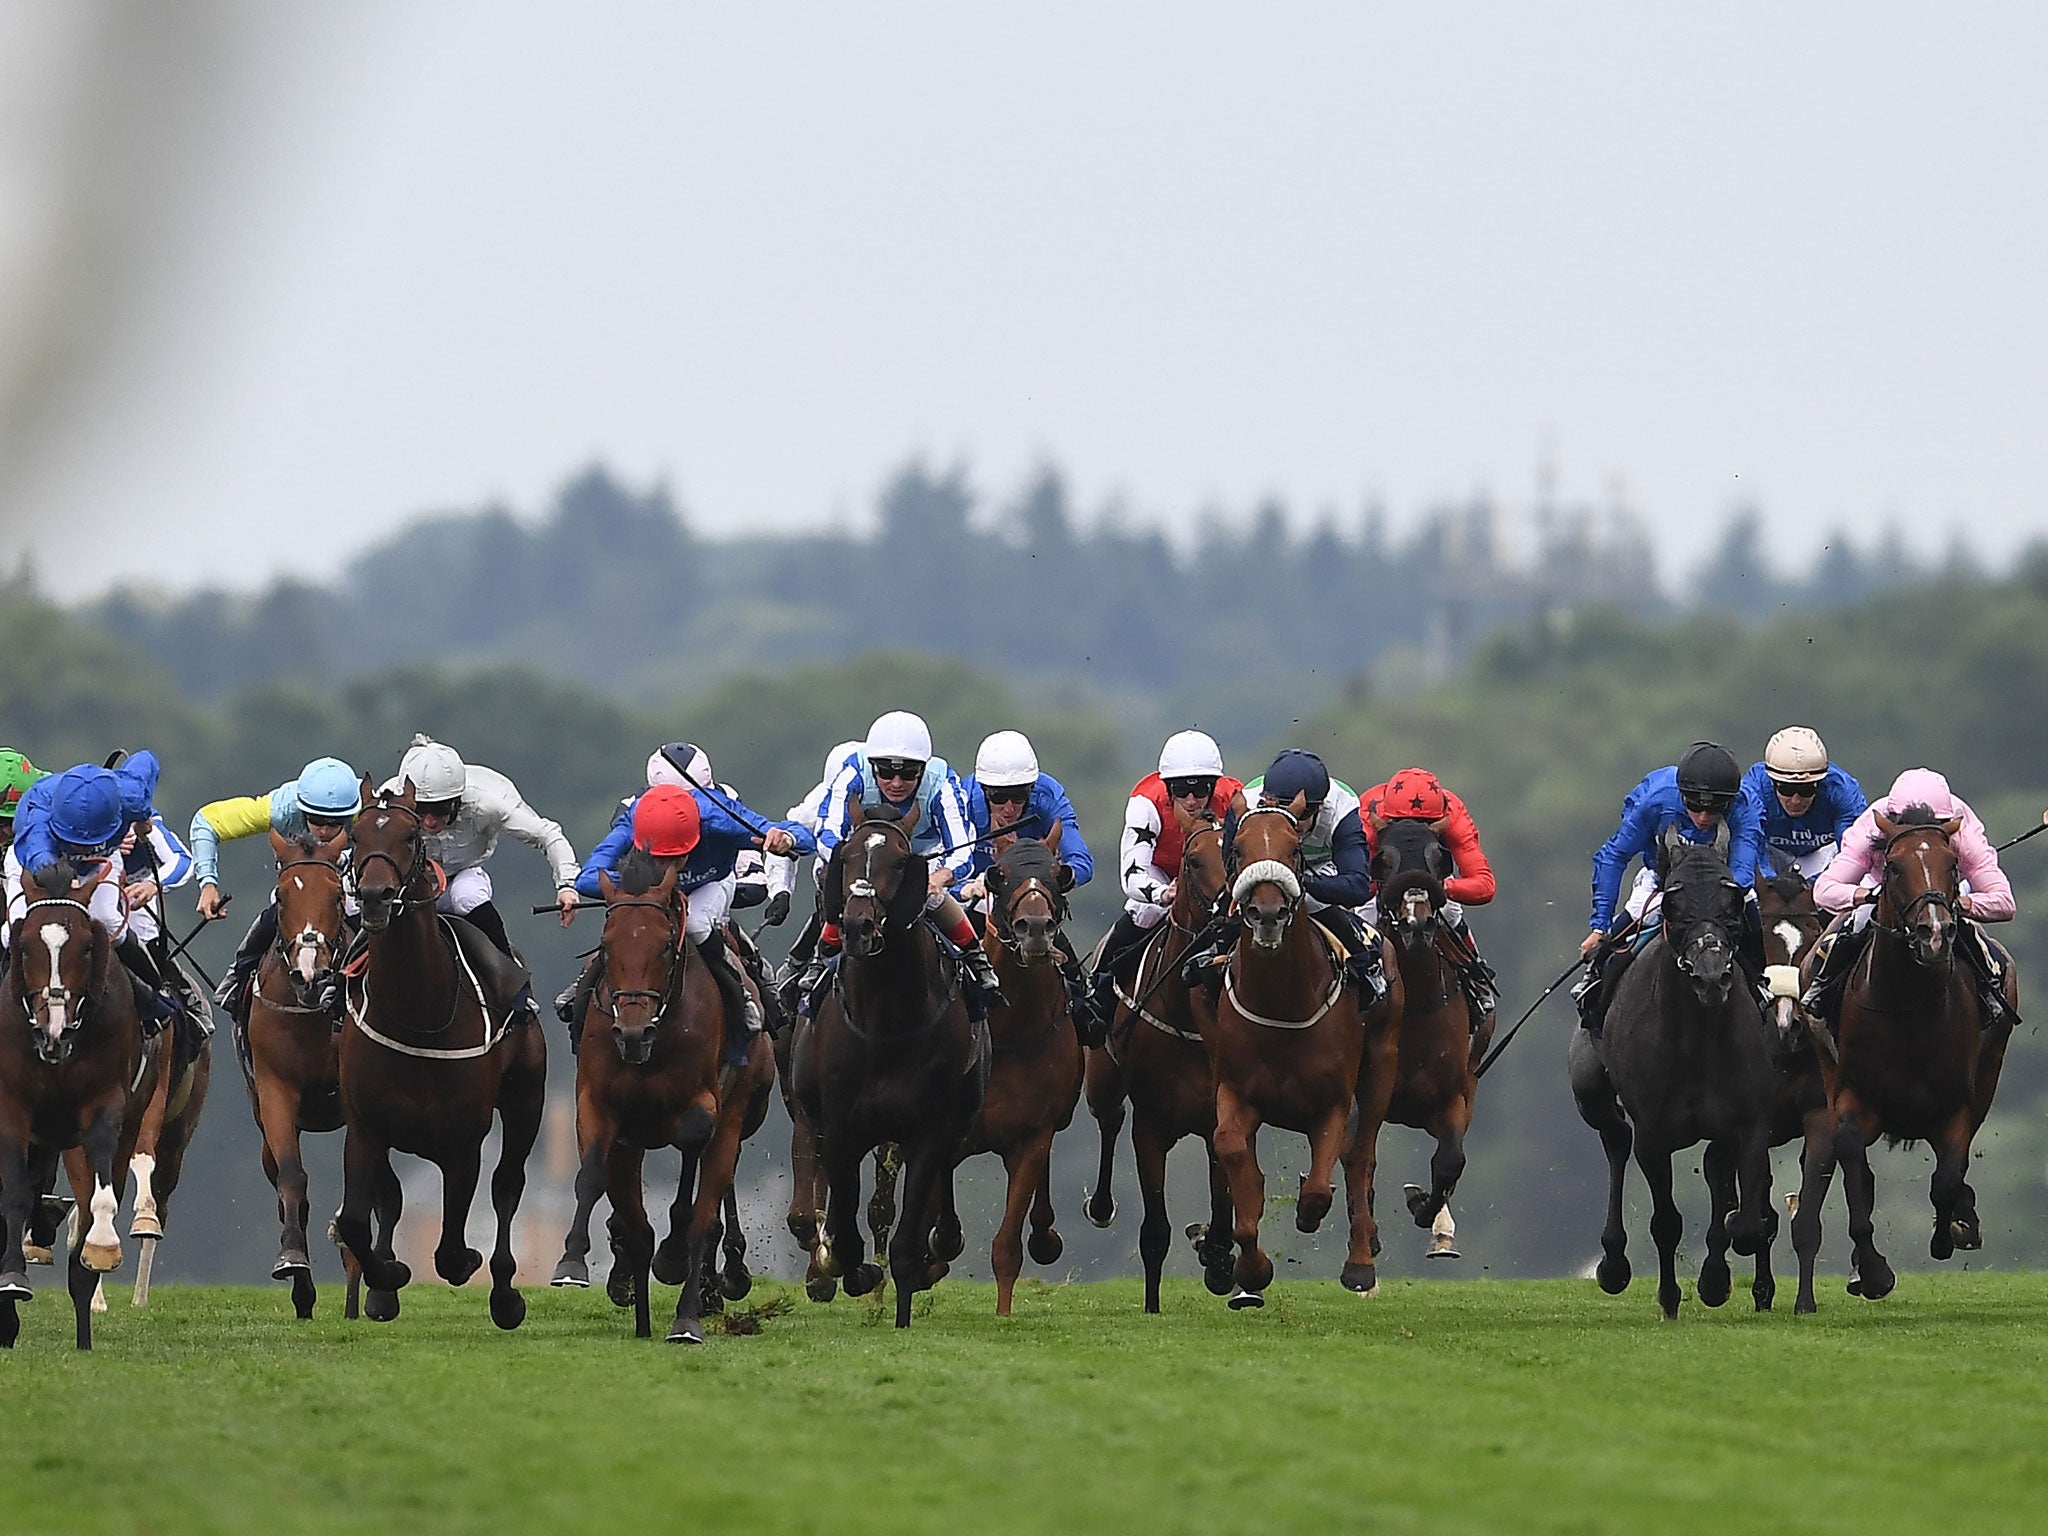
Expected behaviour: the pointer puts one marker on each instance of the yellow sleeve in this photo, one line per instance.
(241, 816)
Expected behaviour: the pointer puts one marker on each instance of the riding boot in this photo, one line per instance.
(570, 1002)
(261, 935)
(1475, 976)
(1202, 966)
(151, 1005)
(980, 972)
(1089, 1027)
(743, 1019)
(1835, 956)
(1122, 940)
(1988, 964)
(1366, 970)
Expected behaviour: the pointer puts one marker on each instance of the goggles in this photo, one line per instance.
(898, 768)
(1007, 794)
(1791, 791)
(1202, 786)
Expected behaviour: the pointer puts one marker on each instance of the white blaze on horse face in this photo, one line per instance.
(308, 946)
(54, 935)
(1793, 937)
(104, 1205)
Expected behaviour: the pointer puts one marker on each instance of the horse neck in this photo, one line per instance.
(1426, 980)
(1299, 968)
(896, 983)
(412, 947)
(1895, 972)
(1034, 989)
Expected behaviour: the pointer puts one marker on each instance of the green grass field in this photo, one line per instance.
(1477, 1406)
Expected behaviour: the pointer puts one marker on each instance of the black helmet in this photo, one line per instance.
(1296, 772)
(1709, 778)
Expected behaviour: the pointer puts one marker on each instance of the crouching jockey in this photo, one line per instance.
(1804, 803)
(705, 831)
(1701, 796)
(893, 773)
(323, 801)
(156, 861)
(463, 810)
(1007, 790)
(1849, 886)
(1415, 794)
(1190, 785)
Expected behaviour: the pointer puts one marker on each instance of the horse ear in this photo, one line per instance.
(669, 879)
(1065, 878)
(1376, 821)
(1886, 827)
(1670, 842)
(910, 818)
(1722, 838)
(408, 795)
(1438, 858)
(860, 813)
(280, 847)
(31, 887)
(606, 885)
(1052, 837)
(332, 849)
(1952, 826)
(908, 902)
(367, 789)
(1441, 826)
(1384, 866)
(1298, 806)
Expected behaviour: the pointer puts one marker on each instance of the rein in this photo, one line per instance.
(671, 989)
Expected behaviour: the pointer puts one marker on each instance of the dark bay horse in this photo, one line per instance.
(1156, 1057)
(1435, 1085)
(1911, 1061)
(74, 1074)
(426, 1058)
(891, 1056)
(1290, 1048)
(1685, 1057)
(653, 1080)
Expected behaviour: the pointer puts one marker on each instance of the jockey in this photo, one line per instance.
(155, 861)
(1696, 797)
(1190, 780)
(1850, 885)
(1803, 802)
(322, 800)
(1007, 790)
(17, 777)
(682, 816)
(463, 809)
(1417, 793)
(1336, 878)
(781, 872)
(894, 773)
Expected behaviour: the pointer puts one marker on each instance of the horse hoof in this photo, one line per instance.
(1443, 1248)
(291, 1263)
(1360, 1279)
(101, 1258)
(1613, 1274)
(145, 1226)
(508, 1308)
(862, 1278)
(1418, 1204)
(457, 1267)
(37, 1253)
(1221, 1279)
(1877, 1281)
(387, 1274)
(1968, 1235)
(303, 1295)
(820, 1287)
(1045, 1247)
(14, 1286)
(1714, 1285)
(1099, 1215)
(571, 1272)
(691, 1332)
(619, 1286)
(736, 1283)
(672, 1262)
(947, 1243)
(380, 1306)
(1804, 1307)
(1242, 1299)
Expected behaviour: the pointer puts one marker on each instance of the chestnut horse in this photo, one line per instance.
(425, 1062)
(74, 1074)
(1290, 1048)
(891, 1056)
(1163, 1071)
(1912, 1060)
(169, 1119)
(1439, 1048)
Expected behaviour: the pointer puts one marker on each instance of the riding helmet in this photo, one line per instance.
(1296, 772)
(329, 789)
(85, 808)
(1414, 794)
(1006, 760)
(1709, 778)
(666, 822)
(680, 763)
(436, 771)
(17, 776)
(899, 733)
(1796, 755)
(1190, 755)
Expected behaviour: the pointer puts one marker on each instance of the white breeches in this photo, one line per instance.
(467, 891)
(710, 905)
(1642, 894)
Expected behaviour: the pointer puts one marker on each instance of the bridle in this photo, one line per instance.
(660, 1001)
(38, 1000)
(1690, 946)
(1268, 871)
(1901, 926)
(862, 887)
(285, 945)
(408, 875)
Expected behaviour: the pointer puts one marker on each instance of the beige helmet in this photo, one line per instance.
(1796, 755)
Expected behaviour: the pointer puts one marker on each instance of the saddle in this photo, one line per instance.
(501, 975)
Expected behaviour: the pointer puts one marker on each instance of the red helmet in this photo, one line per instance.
(1414, 793)
(665, 821)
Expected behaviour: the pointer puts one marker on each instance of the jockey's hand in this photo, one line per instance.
(941, 880)
(128, 840)
(777, 842)
(1592, 941)
(566, 902)
(972, 891)
(777, 912)
(1165, 897)
(140, 893)
(1968, 903)
(210, 901)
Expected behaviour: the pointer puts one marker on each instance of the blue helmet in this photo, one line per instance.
(1296, 772)
(85, 810)
(329, 789)
(138, 773)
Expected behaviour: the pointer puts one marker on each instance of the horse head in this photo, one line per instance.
(884, 883)
(1702, 907)
(388, 854)
(1265, 857)
(644, 915)
(309, 909)
(1921, 888)
(1792, 922)
(1410, 868)
(62, 959)
(1204, 875)
(1029, 888)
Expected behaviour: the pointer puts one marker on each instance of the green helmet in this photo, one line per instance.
(17, 773)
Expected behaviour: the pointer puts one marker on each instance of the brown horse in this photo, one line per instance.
(1035, 1073)
(808, 1187)
(74, 1073)
(1439, 1048)
(892, 1056)
(1290, 1048)
(426, 1058)
(1163, 1072)
(168, 1122)
(656, 1083)
(1912, 1060)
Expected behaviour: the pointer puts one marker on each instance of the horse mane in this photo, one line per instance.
(1782, 876)
(1028, 859)
(56, 880)
(639, 873)
(1917, 815)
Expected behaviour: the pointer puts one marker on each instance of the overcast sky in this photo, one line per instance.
(1195, 254)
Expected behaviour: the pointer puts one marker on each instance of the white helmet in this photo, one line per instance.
(1190, 755)
(1796, 755)
(899, 733)
(836, 758)
(1006, 758)
(435, 770)
(681, 764)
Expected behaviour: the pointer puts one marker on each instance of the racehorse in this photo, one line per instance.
(1035, 1071)
(1685, 1057)
(1291, 1048)
(1163, 1071)
(1435, 1085)
(427, 1055)
(656, 1083)
(892, 1055)
(74, 1074)
(168, 1121)
(1911, 1061)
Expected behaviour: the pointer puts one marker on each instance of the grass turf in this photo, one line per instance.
(1444, 1407)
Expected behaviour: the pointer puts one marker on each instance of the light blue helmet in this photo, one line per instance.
(329, 789)
(85, 809)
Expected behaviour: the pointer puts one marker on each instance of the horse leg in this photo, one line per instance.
(574, 1266)
(1667, 1226)
(736, 1281)
(1026, 1166)
(1857, 1127)
(1317, 1192)
(366, 1165)
(95, 1184)
(1446, 1164)
(715, 1171)
(911, 1264)
(454, 1260)
(807, 1176)
(1155, 1231)
(1598, 1107)
(1104, 1081)
(522, 1098)
(1816, 1172)
(844, 1252)
(386, 1205)
(1045, 1244)
(1237, 1129)
(1214, 1247)
(1718, 1164)
(1755, 1175)
(632, 1234)
(1946, 1188)
(882, 1204)
(19, 1191)
(675, 1257)
(147, 1221)
(277, 1113)
(1360, 1274)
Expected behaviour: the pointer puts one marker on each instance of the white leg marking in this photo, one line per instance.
(101, 1233)
(147, 1224)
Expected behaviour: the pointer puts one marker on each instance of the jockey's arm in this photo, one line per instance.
(606, 857)
(1073, 850)
(1348, 883)
(223, 821)
(1634, 838)
(1144, 881)
(1473, 884)
(497, 799)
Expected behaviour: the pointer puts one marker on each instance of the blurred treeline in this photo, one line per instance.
(1542, 729)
